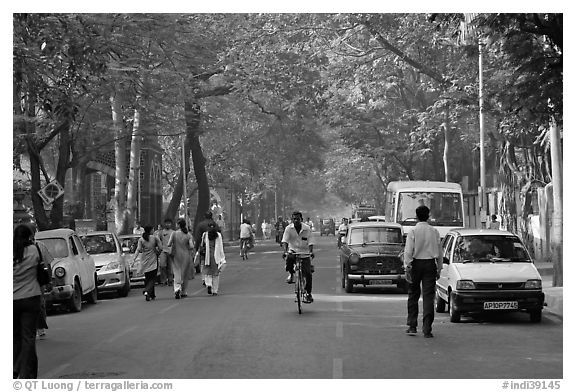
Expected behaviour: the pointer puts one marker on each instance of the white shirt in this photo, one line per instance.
(245, 230)
(427, 247)
(298, 242)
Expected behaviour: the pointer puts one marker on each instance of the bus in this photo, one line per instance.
(443, 198)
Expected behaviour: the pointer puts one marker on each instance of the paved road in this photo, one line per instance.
(252, 331)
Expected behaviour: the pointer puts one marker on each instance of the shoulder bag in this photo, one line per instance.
(44, 274)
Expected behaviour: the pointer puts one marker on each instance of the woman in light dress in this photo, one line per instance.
(183, 243)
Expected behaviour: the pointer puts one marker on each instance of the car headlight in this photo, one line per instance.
(114, 265)
(533, 284)
(59, 272)
(354, 258)
(465, 285)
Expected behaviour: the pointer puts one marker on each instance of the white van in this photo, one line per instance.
(487, 271)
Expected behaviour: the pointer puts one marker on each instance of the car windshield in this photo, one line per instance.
(56, 246)
(445, 208)
(490, 248)
(100, 243)
(129, 243)
(370, 235)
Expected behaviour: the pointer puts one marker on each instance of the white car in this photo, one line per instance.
(73, 269)
(111, 262)
(487, 271)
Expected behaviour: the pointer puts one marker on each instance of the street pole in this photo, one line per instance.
(184, 198)
(483, 215)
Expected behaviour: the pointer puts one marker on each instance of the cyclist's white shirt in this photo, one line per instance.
(298, 242)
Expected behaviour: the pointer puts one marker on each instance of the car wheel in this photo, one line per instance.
(536, 316)
(454, 315)
(348, 285)
(342, 279)
(92, 297)
(123, 292)
(75, 302)
(440, 304)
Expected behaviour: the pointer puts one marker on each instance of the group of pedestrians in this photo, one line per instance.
(174, 255)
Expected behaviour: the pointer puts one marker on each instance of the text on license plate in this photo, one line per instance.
(381, 281)
(500, 305)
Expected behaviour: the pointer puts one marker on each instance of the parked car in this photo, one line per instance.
(370, 255)
(129, 243)
(327, 226)
(73, 269)
(487, 271)
(112, 266)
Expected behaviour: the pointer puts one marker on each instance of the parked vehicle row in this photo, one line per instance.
(483, 270)
(87, 265)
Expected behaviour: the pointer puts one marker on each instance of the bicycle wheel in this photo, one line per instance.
(298, 288)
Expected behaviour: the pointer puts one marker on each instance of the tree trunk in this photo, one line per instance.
(193, 130)
(447, 144)
(42, 221)
(172, 210)
(134, 174)
(63, 163)
(120, 215)
(557, 230)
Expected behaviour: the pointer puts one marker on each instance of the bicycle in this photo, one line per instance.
(244, 248)
(300, 279)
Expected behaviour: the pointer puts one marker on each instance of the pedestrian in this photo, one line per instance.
(214, 259)
(26, 301)
(150, 246)
(166, 258)
(280, 226)
(245, 237)
(268, 231)
(423, 263)
(263, 227)
(201, 229)
(183, 244)
(137, 228)
(494, 224)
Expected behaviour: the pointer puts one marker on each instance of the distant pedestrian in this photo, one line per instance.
(184, 243)
(201, 229)
(26, 302)
(423, 263)
(213, 260)
(494, 224)
(150, 247)
(280, 226)
(137, 229)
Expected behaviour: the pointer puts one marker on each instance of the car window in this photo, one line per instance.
(491, 248)
(130, 243)
(368, 235)
(447, 246)
(73, 246)
(100, 243)
(56, 246)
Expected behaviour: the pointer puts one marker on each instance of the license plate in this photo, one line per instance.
(381, 281)
(501, 305)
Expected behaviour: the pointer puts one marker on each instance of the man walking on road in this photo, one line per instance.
(423, 263)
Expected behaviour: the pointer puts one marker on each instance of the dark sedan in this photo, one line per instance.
(370, 255)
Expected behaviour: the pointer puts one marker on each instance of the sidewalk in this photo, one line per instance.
(553, 296)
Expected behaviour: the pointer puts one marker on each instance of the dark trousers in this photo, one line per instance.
(149, 280)
(25, 316)
(423, 273)
(306, 270)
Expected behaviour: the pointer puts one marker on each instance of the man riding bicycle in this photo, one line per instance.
(298, 238)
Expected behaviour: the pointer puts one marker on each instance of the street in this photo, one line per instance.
(252, 330)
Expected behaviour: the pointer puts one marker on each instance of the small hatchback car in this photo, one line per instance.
(487, 271)
(370, 255)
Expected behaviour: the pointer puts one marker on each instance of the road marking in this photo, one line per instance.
(168, 308)
(55, 371)
(339, 329)
(337, 369)
(119, 335)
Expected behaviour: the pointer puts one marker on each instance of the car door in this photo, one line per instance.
(121, 254)
(87, 267)
(443, 281)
